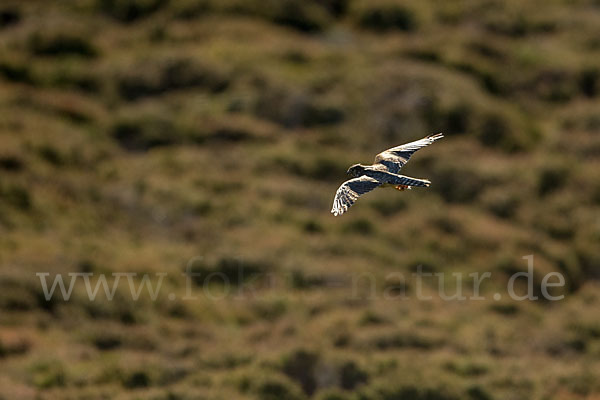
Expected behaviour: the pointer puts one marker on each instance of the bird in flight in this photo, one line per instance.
(383, 173)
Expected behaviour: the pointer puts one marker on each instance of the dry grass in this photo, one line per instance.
(139, 134)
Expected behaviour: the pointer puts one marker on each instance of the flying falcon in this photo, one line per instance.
(383, 172)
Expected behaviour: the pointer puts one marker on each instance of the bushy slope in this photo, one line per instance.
(149, 135)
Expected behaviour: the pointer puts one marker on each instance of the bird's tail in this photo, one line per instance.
(408, 181)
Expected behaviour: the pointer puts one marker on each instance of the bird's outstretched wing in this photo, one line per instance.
(350, 191)
(395, 158)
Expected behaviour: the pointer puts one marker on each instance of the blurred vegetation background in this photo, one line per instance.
(138, 134)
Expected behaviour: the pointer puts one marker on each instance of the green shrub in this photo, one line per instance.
(351, 375)
(306, 16)
(399, 340)
(52, 155)
(78, 78)
(491, 80)
(385, 16)
(274, 388)
(552, 178)
(269, 310)
(458, 119)
(588, 258)
(190, 9)
(145, 133)
(411, 392)
(389, 205)
(14, 347)
(589, 82)
(457, 183)
(158, 76)
(518, 25)
(425, 261)
(571, 270)
(15, 71)
(494, 130)
(587, 330)
(301, 15)
(16, 196)
(9, 17)
(233, 270)
(332, 394)
(559, 227)
(136, 379)
(11, 163)
(505, 130)
(447, 224)
(301, 280)
(312, 226)
(501, 202)
(47, 374)
(555, 85)
(323, 168)
(476, 392)
(300, 366)
(372, 318)
(303, 366)
(61, 44)
(360, 226)
(336, 8)
(467, 369)
(486, 49)
(107, 342)
(130, 10)
(292, 109)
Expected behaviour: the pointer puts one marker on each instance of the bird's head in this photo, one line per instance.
(356, 170)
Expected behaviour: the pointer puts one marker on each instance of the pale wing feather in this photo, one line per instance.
(350, 191)
(395, 158)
